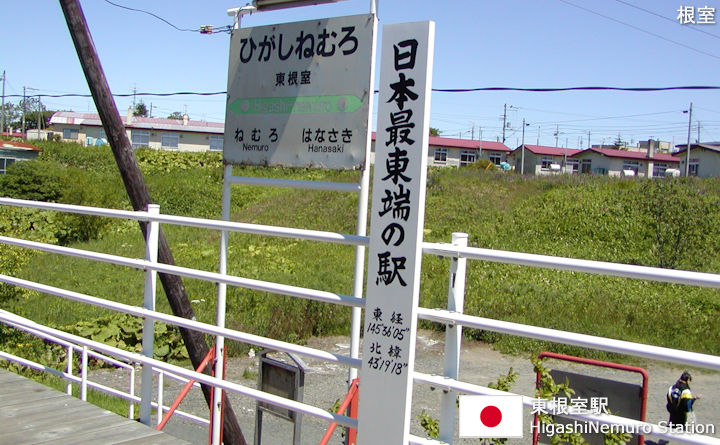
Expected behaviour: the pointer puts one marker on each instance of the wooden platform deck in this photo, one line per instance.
(31, 413)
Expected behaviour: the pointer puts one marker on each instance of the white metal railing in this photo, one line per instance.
(21, 323)
(150, 266)
(452, 316)
(455, 320)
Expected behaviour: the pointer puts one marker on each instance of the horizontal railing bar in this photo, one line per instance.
(448, 384)
(572, 338)
(17, 321)
(66, 344)
(77, 253)
(295, 183)
(34, 365)
(175, 377)
(184, 414)
(259, 229)
(247, 283)
(576, 265)
(71, 208)
(255, 229)
(183, 322)
(97, 386)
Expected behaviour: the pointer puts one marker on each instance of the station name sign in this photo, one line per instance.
(298, 93)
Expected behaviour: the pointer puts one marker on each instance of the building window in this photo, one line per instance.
(631, 165)
(467, 157)
(545, 162)
(216, 142)
(694, 167)
(71, 133)
(572, 166)
(170, 141)
(586, 166)
(659, 169)
(5, 163)
(495, 158)
(440, 156)
(140, 138)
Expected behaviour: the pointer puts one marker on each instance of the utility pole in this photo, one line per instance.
(504, 122)
(687, 152)
(557, 134)
(522, 150)
(2, 107)
(589, 145)
(698, 133)
(538, 137)
(23, 113)
(140, 197)
(39, 114)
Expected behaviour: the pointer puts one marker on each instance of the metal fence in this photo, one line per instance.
(452, 316)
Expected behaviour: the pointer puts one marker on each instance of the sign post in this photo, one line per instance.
(396, 230)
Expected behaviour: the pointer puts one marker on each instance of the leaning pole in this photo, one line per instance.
(139, 196)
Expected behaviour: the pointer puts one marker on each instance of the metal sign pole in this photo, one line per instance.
(361, 228)
(221, 304)
(396, 231)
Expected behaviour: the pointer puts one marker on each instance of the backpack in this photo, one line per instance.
(673, 399)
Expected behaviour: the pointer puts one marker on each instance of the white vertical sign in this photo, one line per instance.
(396, 229)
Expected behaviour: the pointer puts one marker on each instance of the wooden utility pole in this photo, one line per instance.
(139, 196)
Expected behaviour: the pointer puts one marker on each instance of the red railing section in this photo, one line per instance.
(588, 361)
(351, 400)
(209, 358)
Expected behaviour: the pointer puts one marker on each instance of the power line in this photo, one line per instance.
(212, 30)
(587, 88)
(437, 90)
(639, 29)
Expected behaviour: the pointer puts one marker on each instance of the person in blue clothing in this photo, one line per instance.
(680, 400)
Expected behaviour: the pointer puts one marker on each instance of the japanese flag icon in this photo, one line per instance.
(491, 416)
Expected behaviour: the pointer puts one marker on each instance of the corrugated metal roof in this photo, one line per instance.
(12, 145)
(550, 151)
(468, 144)
(145, 123)
(624, 154)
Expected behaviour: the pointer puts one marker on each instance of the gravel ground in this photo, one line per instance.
(325, 383)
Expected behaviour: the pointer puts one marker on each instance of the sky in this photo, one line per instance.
(478, 44)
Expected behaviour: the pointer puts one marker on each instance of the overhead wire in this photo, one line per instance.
(215, 30)
(637, 28)
(693, 28)
(437, 90)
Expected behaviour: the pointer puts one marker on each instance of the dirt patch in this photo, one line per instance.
(326, 383)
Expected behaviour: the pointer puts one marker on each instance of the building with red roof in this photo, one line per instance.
(540, 159)
(12, 151)
(443, 152)
(704, 159)
(614, 162)
(167, 134)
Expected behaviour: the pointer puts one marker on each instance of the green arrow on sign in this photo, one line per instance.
(342, 103)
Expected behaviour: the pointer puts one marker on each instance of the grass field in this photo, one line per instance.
(663, 222)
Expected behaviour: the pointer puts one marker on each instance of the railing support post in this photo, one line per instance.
(131, 405)
(148, 337)
(161, 384)
(84, 374)
(453, 339)
(69, 369)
